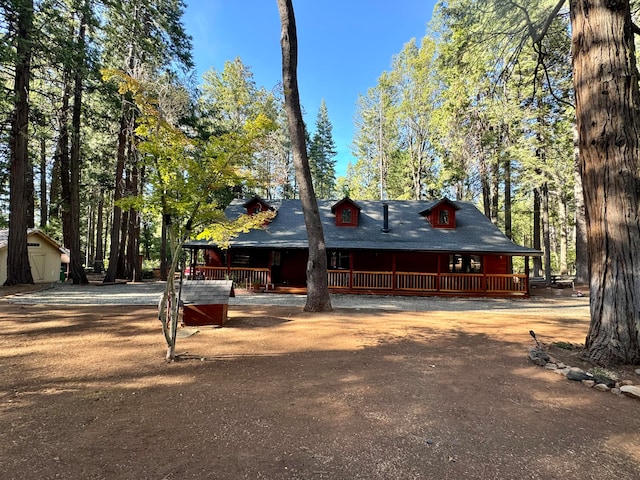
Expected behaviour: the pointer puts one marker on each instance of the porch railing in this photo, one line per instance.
(240, 275)
(429, 282)
(381, 280)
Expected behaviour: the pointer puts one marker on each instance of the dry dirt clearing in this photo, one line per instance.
(281, 394)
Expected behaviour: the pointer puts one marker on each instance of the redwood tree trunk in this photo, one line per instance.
(546, 234)
(110, 275)
(18, 267)
(582, 261)
(537, 235)
(608, 120)
(44, 208)
(318, 298)
(98, 263)
(77, 270)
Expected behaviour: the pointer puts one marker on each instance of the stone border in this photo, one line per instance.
(598, 382)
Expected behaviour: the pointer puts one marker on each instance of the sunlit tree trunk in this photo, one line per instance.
(608, 120)
(582, 260)
(318, 298)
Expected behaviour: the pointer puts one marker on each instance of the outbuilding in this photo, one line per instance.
(45, 256)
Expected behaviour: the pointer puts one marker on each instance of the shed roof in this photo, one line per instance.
(409, 230)
(4, 238)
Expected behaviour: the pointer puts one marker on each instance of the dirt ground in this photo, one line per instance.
(281, 394)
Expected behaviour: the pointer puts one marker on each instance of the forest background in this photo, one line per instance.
(117, 123)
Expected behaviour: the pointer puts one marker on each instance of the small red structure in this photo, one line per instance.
(205, 302)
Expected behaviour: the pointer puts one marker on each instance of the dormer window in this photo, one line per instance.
(442, 214)
(346, 213)
(256, 205)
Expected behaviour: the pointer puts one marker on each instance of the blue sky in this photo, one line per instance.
(343, 47)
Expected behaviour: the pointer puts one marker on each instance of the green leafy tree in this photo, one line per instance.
(183, 176)
(143, 38)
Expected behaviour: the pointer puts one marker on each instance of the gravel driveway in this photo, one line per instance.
(147, 293)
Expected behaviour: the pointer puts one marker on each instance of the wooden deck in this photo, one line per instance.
(382, 282)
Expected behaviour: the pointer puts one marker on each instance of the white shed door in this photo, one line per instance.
(38, 263)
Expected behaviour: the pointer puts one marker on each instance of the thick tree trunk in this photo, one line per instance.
(98, 260)
(318, 298)
(54, 187)
(31, 198)
(18, 267)
(546, 234)
(110, 275)
(62, 151)
(77, 270)
(537, 236)
(44, 208)
(563, 220)
(582, 260)
(608, 120)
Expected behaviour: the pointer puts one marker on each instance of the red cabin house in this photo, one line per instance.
(398, 247)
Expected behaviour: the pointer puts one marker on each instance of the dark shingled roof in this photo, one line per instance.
(409, 231)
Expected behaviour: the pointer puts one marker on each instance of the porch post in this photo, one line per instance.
(269, 262)
(394, 281)
(229, 262)
(438, 277)
(484, 274)
(526, 274)
(351, 269)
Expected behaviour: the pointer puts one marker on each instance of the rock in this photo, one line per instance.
(538, 361)
(616, 391)
(631, 391)
(588, 383)
(601, 387)
(562, 371)
(537, 353)
(604, 380)
(561, 365)
(538, 357)
(551, 366)
(638, 371)
(577, 376)
(626, 382)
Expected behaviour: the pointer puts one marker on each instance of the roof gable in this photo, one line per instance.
(347, 213)
(256, 205)
(442, 214)
(32, 232)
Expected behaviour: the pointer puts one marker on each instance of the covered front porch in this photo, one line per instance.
(390, 273)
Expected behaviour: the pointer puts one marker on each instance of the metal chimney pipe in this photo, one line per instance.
(385, 216)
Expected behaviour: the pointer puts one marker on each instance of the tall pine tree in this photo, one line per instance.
(322, 152)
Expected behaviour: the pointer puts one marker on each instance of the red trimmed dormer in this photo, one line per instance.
(256, 205)
(442, 214)
(347, 213)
